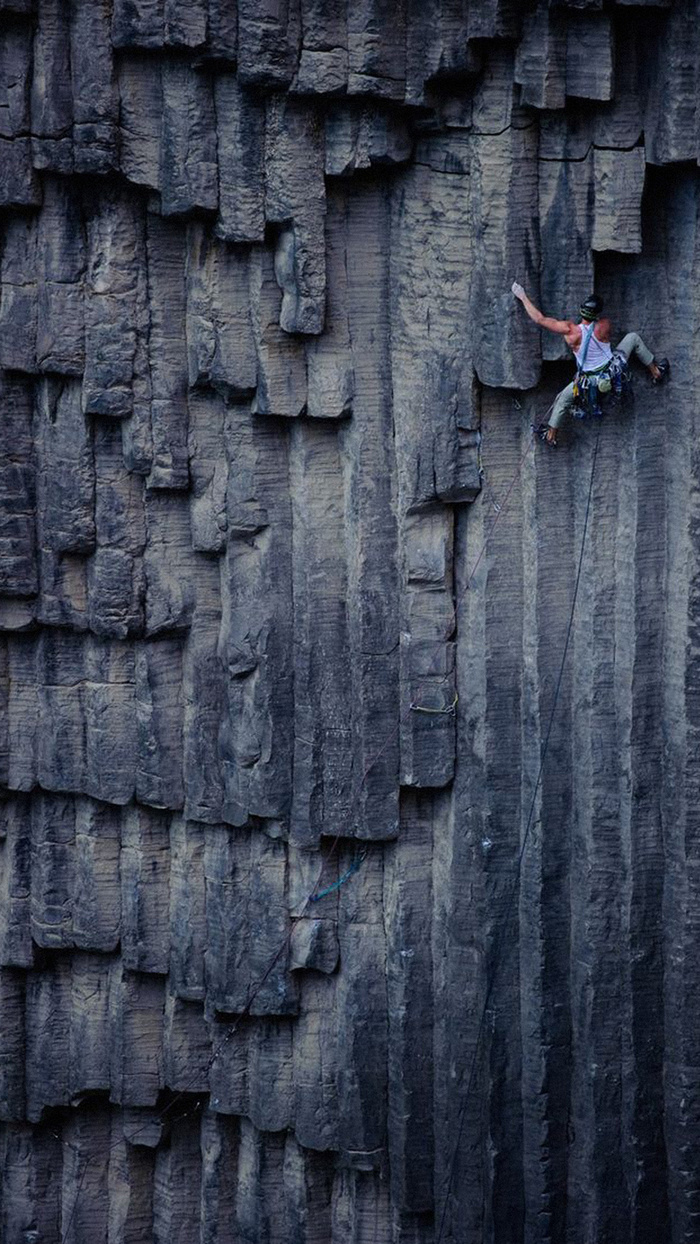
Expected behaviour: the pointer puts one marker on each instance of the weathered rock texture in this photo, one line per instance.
(257, 340)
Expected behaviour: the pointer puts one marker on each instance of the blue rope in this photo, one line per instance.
(341, 880)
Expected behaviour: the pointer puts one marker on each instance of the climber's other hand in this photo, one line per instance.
(518, 290)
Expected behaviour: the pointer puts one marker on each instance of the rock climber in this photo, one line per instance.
(600, 369)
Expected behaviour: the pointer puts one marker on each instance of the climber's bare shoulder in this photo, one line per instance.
(565, 328)
(572, 334)
(602, 329)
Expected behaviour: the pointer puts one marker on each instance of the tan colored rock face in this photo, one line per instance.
(284, 591)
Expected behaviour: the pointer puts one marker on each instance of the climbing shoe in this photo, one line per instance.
(665, 370)
(541, 430)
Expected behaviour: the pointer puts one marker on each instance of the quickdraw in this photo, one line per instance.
(448, 711)
(612, 380)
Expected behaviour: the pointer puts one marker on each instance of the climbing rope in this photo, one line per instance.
(518, 869)
(330, 889)
(315, 894)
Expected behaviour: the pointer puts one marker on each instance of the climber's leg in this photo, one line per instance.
(632, 344)
(562, 406)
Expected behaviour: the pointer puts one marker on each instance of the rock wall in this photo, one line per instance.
(266, 493)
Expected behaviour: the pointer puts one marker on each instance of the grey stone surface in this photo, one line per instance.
(19, 183)
(240, 128)
(284, 588)
(295, 202)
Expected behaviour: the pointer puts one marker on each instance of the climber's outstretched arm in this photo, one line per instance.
(563, 327)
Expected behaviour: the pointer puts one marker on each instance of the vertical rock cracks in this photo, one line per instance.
(265, 497)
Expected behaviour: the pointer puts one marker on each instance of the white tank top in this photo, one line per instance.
(598, 353)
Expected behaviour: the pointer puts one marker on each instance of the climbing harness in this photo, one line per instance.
(612, 379)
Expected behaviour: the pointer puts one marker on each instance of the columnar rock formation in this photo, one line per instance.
(266, 494)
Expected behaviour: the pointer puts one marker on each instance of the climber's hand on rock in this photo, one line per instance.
(518, 290)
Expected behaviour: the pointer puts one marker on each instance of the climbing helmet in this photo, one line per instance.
(591, 308)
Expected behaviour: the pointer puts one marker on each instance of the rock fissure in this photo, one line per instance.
(258, 353)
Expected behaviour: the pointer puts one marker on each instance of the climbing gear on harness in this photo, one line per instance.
(664, 369)
(611, 379)
(591, 308)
